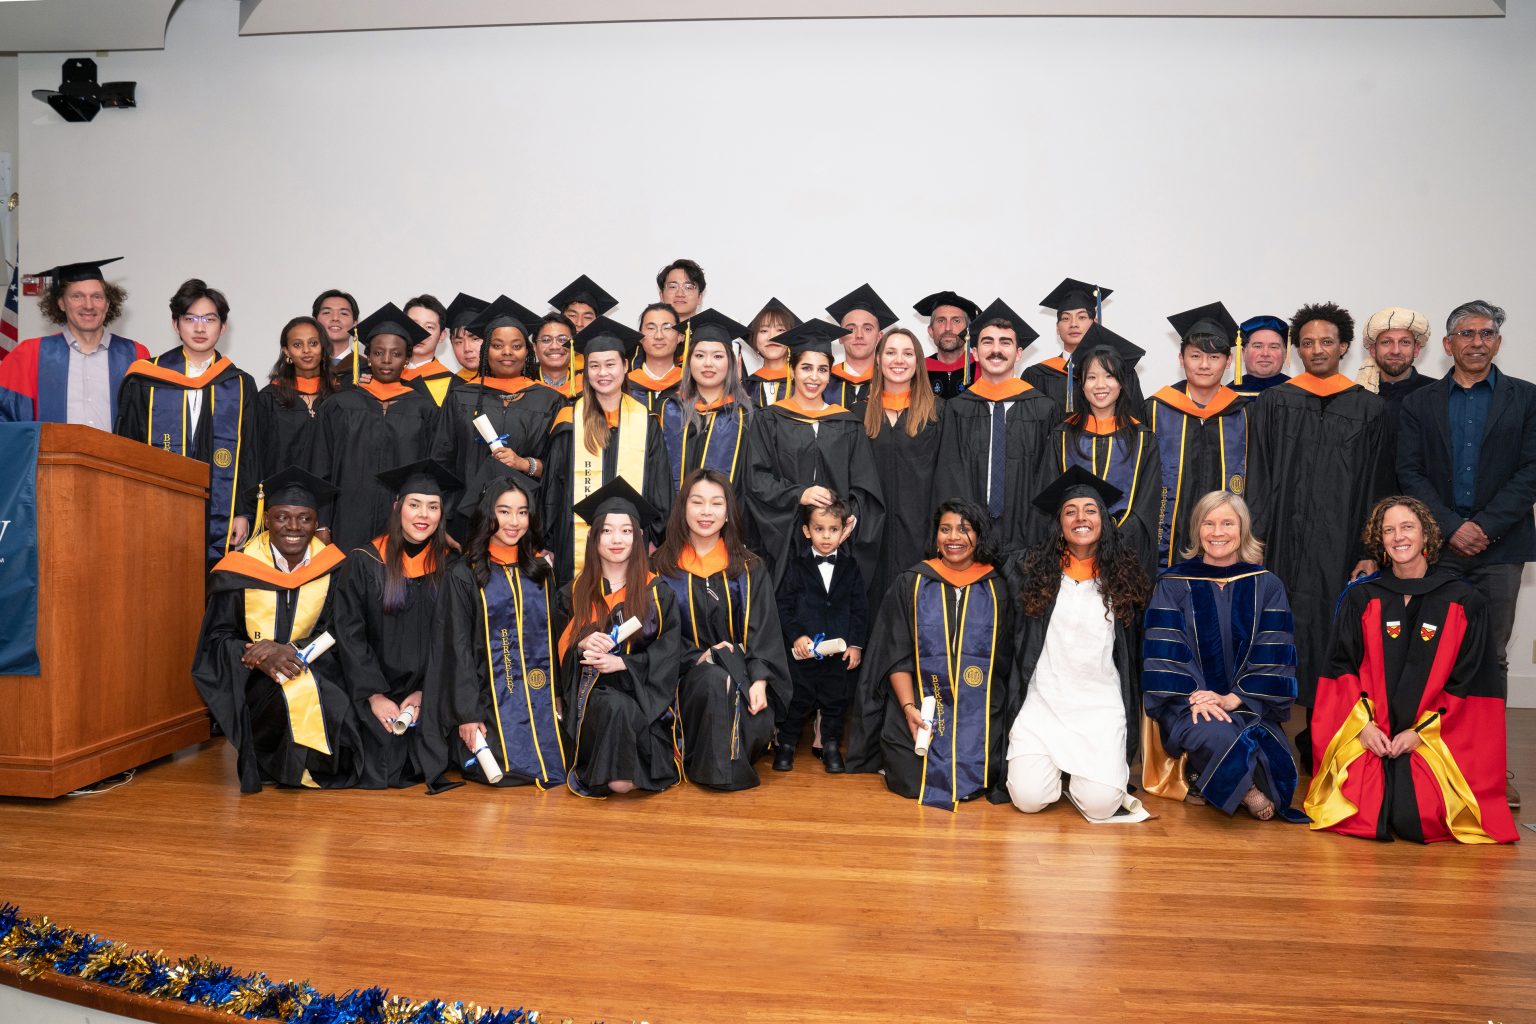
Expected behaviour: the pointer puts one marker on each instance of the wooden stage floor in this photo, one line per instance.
(812, 898)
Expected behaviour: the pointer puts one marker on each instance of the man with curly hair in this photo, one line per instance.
(1315, 466)
(71, 376)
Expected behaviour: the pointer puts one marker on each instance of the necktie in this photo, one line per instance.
(998, 460)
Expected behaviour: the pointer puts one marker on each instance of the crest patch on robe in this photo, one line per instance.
(1427, 631)
(1394, 630)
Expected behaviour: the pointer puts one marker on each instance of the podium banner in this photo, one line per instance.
(18, 549)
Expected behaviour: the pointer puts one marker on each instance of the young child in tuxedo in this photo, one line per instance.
(821, 597)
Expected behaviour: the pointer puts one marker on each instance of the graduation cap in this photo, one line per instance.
(428, 477)
(1075, 294)
(863, 297)
(1266, 322)
(504, 312)
(605, 335)
(464, 310)
(1098, 336)
(90, 270)
(815, 335)
(391, 319)
(1000, 310)
(713, 325)
(586, 291)
(1076, 482)
(1213, 320)
(616, 496)
(928, 303)
(773, 305)
(295, 486)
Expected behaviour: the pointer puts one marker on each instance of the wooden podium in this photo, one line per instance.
(119, 602)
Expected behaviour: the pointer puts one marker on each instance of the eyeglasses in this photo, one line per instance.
(658, 328)
(192, 319)
(684, 286)
(1486, 334)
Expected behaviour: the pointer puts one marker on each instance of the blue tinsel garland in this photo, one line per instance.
(37, 945)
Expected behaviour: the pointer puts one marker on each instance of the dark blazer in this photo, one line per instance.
(1506, 466)
(807, 608)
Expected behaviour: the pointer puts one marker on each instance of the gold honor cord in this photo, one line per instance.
(588, 475)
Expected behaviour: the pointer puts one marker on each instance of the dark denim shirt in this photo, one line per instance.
(1469, 409)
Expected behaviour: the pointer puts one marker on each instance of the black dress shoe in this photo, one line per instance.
(832, 758)
(783, 758)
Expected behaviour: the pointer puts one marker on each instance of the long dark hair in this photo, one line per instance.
(397, 594)
(740, 559)
(284, 372)
(483, 527)
(589, 611)
(1123, 583)
(1112, 362)
(980, 523)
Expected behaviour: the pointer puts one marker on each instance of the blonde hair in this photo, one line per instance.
(1249, 548)
(922, 408)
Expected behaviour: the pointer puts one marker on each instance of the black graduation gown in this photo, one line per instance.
(718, 438)
(786, 456)
(388, 653)
(460, 681)
(1314, 470)
(712, 697)
(651, 393)
(764, 391)
(357, 438)
(287, 431)
(1202, 450)
(907, 468)
(623, 730)
(226, 435)
(1050, 377)
(249, 705)
(879, 738)
(845, 391)
(522, 411)
(1414, 665)
(950, 382)
(559, 499)
(1392, 394)
(962, 467)
(1130, 461)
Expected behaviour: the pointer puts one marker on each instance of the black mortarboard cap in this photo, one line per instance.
(928, 303)
(605, 335)
(295, 486)
(1212, 319)
(1000, 310)
(464, 310)
(1074, 294)
(776, 306)
(1076, 482)
(504, 312)
(617, 496)
(815, 335)
(391, 319)
(862, 297)
(713, 325)
(586, 290)
(428, 477)
(1098, 336)
(90, 270)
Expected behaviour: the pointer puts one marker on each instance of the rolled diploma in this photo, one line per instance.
(318, 646)
(488, 432)
(628, 628)
(405, 721)
(930, 706)
(836, 645)
(487, 760)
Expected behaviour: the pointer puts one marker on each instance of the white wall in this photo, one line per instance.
(1265, 162)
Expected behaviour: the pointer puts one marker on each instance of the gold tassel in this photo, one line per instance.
(354, 356)
(261, 510)
(1237, 350)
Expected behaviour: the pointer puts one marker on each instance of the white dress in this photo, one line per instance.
(1074, 713)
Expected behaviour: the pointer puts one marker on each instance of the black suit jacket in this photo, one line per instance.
(807, 608)
(1506, 465)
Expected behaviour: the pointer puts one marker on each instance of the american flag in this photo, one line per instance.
(10, 316)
